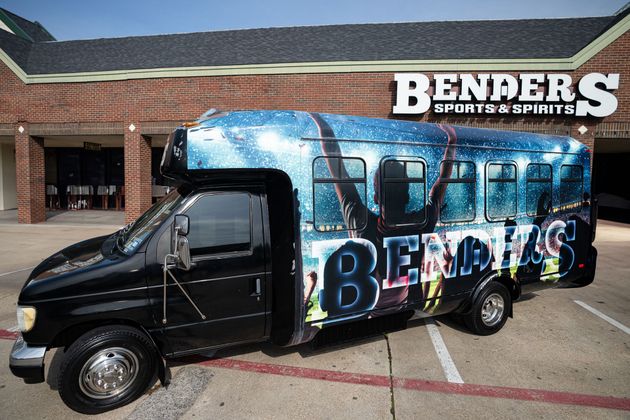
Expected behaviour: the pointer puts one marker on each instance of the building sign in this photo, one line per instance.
(498, 93)
(94, 147)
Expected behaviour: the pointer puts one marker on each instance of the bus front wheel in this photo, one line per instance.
(107, 368)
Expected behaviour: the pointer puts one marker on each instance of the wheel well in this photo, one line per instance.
(69, 335)
(512, 286)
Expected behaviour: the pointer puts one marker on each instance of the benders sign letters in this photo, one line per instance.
(499, 93)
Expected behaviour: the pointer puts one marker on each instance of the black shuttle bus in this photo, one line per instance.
(286, 223)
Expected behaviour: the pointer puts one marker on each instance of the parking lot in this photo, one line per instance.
(565, 354)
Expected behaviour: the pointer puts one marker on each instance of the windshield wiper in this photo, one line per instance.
(120, 241)
(128, 227)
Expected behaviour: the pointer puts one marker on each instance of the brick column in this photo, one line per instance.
(31, 176)
(137, 172)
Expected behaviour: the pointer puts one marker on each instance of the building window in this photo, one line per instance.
(339, 191)
(571, 186)
(459, 198)
(539, 189)
(501, 191)
(403, 192)
(220, 223)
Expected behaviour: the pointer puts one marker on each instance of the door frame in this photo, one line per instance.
(155, 247)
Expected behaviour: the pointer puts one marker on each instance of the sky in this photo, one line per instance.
(85, 19)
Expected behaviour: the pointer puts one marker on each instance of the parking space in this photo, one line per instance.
(554, 359)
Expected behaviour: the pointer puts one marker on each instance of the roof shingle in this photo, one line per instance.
(491, 39)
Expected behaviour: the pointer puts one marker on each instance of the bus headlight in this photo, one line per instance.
(26, 318)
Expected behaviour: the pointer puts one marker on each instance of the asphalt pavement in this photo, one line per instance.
(565, 354)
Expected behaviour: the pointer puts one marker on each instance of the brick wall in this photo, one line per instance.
(369, 94)
(181, 99)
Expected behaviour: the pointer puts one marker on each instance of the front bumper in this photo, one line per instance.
(27, 362)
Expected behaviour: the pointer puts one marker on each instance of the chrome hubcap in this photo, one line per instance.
(109, 372)
(492, 309)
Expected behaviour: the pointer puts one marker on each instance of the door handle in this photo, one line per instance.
(257, 289)
(258, 286)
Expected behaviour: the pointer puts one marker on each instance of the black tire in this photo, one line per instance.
(487, 322)
(124, 356)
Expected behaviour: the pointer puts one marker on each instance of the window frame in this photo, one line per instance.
(332, 180)
(381, 181)
(581, 200)
(228, 254)
(528, 180)
(487, 182)
(461, 181)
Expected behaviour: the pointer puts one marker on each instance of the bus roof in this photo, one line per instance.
(367, 129)
(290, 140)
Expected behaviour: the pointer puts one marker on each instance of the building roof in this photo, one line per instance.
(489, 39)
(33, 31)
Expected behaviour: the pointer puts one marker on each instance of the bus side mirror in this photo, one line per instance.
(183, 252)
(181, 224)
(182, 248)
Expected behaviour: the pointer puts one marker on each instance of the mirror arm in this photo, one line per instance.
(166, 270)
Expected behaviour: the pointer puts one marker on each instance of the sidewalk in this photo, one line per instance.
(72, 217)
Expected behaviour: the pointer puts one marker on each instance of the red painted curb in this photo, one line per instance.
(488, 391)
(308, 373)
(8, 335)
(523, 394)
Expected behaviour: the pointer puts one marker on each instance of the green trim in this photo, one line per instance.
(602, 41)
(13, 26)
(17, 70)
(45, 30)
(476, 65)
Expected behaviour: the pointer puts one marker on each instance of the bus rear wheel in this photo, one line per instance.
(490, 309)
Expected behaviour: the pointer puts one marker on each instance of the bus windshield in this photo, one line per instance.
(132, 236)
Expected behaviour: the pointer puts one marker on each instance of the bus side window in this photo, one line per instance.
(501, 200)
(459, 198)
(539, 189)
(219, 223)
(339, 194)
(404, 192)
(571, 186)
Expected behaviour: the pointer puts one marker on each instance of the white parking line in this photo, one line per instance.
(14, 329)
(17, 271)
(603, 316)
(450, 370)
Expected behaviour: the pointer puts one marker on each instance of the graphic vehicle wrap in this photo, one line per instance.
(403, 215)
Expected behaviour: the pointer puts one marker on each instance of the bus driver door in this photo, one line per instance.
(228, 274)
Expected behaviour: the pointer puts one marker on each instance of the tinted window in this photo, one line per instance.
(219, 223)
(571, 186)
(404, 192)
(459, 197)
(539, 189)
(339, 190)
(501, 191)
